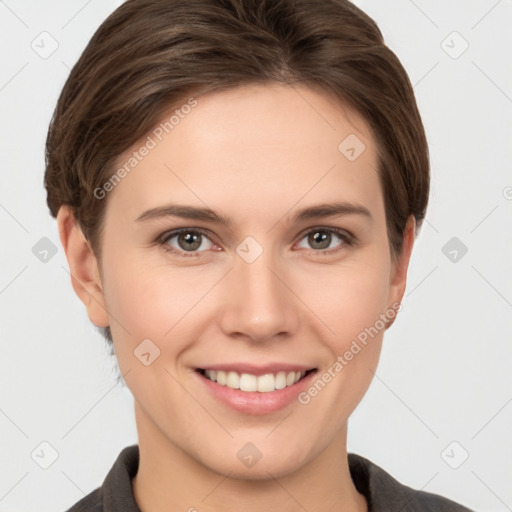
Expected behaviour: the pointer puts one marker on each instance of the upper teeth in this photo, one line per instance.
(248, 382)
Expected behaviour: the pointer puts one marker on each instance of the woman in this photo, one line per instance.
(238, 185)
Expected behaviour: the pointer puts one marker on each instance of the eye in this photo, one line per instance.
(191, 242)
(321, 240)
(186, 240)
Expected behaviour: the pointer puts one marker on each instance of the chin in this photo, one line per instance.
(247, 462)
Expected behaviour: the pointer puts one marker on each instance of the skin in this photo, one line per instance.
(256, 154)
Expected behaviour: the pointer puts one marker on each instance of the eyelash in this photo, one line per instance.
(347, 238)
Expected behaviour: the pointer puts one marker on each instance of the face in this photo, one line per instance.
(270, 271)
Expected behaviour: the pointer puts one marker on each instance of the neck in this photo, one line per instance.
(168, 478)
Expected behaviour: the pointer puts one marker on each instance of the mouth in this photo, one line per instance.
(251, 383)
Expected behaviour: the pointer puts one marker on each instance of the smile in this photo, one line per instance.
(251, 383)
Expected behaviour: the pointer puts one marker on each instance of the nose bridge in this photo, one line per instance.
(259, 304)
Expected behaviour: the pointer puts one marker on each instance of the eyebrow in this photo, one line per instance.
(209, 215)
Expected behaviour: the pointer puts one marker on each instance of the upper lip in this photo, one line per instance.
(254, 369)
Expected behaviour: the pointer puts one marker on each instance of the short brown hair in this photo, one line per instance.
(150, 54)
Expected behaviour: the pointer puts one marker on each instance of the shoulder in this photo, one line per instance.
(93, 502)
(386, 494)
(116, 493)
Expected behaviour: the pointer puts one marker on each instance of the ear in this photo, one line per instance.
(85, 276)
(399, 266)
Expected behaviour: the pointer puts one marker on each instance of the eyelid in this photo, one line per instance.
(174, 232)
(337, 231)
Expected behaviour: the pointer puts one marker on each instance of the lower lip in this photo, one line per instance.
(254, 402)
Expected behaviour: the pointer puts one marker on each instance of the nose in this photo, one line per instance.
(259, 304)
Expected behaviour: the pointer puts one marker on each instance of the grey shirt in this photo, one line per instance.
(383, 493)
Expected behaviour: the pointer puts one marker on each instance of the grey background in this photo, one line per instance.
(442, 390)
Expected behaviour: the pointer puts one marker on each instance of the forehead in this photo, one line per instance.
(250, 148)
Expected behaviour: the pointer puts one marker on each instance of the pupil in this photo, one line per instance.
(193, 241)
(322, 238)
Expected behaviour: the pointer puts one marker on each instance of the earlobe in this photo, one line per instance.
(83, 266)
(398, 277)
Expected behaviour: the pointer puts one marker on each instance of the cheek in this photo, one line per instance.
(350, 302)
(149, 299)
(348, 298)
